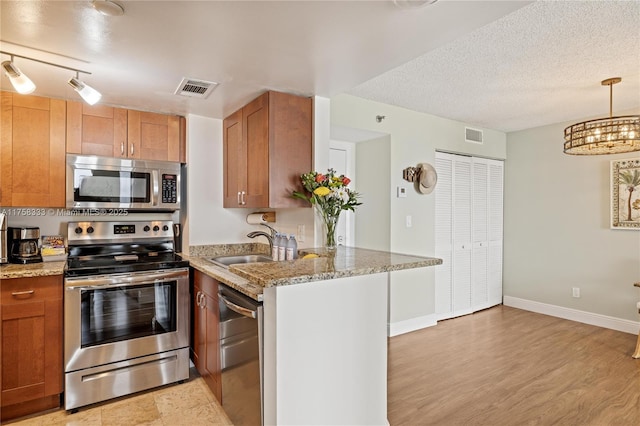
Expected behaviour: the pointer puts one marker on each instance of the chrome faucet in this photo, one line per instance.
(270, 236)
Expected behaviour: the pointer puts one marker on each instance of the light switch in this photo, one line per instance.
(408, 222)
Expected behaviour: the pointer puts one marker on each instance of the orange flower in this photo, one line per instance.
(320, 177)
(345, 181)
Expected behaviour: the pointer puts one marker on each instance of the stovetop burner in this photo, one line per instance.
(82, 266)
(99, 248)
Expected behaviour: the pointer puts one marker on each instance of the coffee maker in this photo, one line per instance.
(23, 244)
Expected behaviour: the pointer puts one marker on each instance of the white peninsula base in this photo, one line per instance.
(325, 352)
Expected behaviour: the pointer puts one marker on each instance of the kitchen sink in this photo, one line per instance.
(225, 261)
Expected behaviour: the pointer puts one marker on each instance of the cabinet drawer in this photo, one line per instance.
(21, 290)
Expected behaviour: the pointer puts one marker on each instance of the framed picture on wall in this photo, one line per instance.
(625, 194)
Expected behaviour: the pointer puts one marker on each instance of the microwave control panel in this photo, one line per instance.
(169, 188)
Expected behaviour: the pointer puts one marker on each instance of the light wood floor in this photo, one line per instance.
(502, 366)
(187, 404)
(505, 366)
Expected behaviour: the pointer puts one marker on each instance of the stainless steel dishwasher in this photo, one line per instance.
(241, 357)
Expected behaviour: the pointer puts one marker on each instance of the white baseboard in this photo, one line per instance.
(604, 321)
(413, 324)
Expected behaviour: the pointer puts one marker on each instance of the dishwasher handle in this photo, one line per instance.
(237, 308)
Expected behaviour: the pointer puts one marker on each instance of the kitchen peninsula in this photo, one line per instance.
(325, 331)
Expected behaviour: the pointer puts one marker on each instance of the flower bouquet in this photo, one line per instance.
(329, 195)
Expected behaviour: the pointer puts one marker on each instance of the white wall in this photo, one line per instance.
(207, 221)
(414, 138)
(372, 227)
(557, 232)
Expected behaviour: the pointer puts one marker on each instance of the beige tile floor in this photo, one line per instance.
(190, 404)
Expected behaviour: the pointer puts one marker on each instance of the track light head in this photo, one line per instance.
(24, 85)
(88, 93)
(20, 82)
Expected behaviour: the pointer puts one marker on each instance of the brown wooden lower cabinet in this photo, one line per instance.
(31, 363)
(205, 352)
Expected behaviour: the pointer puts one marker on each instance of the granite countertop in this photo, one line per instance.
(225, 276)
(252, 278)
(42, 269)
(344, 262)
(198, 256)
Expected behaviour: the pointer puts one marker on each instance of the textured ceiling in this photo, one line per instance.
(306, 47)
(539, 65)
(505, 65)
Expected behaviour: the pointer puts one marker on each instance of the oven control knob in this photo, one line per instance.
(78, 230)
(165, 228)
(146, 228)
(90, 230)
(156, 228)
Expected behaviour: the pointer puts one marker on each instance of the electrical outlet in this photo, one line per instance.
(300, 236)
(575, 291)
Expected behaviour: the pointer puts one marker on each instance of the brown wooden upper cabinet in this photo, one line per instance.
(96, 130)
(154, 136)
(266, 147)
(32, 151)
(117, 132)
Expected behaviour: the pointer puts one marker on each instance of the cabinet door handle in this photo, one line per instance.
(239, 198)
(243, 201)
(122, 149)
(132, 148)
(198, 299)
(22, 293)
(204, 301)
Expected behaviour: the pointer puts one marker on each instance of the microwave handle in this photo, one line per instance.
(155, 177)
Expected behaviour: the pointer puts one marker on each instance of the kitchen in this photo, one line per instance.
(205, 214)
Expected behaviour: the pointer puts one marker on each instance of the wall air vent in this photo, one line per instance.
(472, 135)
(195, 88)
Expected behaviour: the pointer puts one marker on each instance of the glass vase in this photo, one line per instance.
(329, 222)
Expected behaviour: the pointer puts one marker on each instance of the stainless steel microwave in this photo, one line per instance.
(113, 183)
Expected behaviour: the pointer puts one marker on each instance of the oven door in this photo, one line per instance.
(111, 318)
(112, 183)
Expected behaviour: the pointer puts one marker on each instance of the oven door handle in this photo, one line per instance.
(119, 280)
(103, 286)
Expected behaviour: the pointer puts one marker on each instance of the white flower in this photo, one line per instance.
(341, 193)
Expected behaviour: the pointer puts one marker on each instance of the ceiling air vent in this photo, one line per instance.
(472, 135)
(195, 88)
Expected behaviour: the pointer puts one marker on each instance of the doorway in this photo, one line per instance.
(342, 160)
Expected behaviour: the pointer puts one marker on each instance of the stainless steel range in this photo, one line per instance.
(126, 310)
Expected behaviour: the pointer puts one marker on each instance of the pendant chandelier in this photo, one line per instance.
(613, 135)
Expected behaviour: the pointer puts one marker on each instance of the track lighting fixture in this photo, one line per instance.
(88, 93)
(18, 79)
(24, 85)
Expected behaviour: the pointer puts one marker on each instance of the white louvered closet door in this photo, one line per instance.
(496, 200)
(462, 236)
(480, 221)
(444, 237)
(468, 234)
(453, 235)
